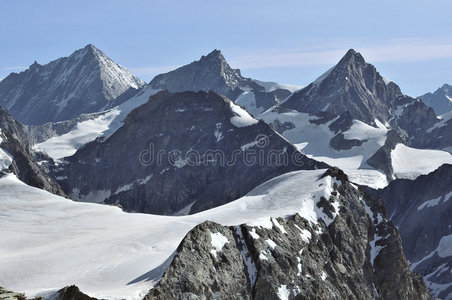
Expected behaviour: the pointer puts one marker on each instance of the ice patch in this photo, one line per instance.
(426, 161)
(262, 256)
(283, 292)
(279, 226)
(305, 235)
(445, 246)
(218, 241)
(270, 244)
(246, 257)
(375, 249)
(430, 203)
(242, 118)
(253, 234)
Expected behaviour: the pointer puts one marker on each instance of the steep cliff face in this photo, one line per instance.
(422, 211)
(213, 73)
(440, 100)
(86, 81)
(352, 86)
(17, 156)
(357, 254)
(180, 153)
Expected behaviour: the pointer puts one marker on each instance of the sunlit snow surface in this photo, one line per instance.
(314, 141)
(409, 162)
(48, 242)
(103, 124)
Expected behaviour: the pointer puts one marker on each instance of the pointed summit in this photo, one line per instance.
(352, 86)
(210, 72)
(86, 81)
(215, 54)
(352, 57)
(440, 100)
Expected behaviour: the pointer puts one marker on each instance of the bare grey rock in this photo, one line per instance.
(213, 73)
(179, 153)
(15, 141)
(296, 259)
(439, 100)
(86, 81)
(422, 211)
(352, 86)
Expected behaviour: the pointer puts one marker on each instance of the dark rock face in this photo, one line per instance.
(87, 81)
(354, 90)
(296, 259)
(422, 211)
(381, 160)
(72, 293)
(415, 120)
(213, 73)
(438, 136)
(180, 153)
(24, 164)
(352, 86)
(440, 100)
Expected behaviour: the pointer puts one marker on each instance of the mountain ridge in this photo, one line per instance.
(85, 81)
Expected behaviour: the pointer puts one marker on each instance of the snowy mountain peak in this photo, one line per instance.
(35, 65)
(352, 85)
(210, 72)
(440, 100)
(86, 81)
(446, 87)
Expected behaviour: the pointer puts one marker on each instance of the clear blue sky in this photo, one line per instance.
(410, 42)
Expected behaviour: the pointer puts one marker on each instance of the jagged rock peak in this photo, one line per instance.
(352, 57)
(84, 82)
(210, 72)
(215, 54)
(351, 85)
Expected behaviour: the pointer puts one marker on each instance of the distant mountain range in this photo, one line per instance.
(440, 100)
(202, 142)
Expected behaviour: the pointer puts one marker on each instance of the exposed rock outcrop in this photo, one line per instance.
(180, 153)
(86, 81)
(422, 211)
(357, 256)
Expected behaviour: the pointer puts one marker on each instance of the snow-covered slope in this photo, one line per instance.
(313, 139)
(102, 124)
(86, 81)
(410, 163)
(111, 254)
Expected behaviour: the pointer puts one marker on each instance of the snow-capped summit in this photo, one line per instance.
(352, 85)
(440, 100)
(212, 72)
(86, 81)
